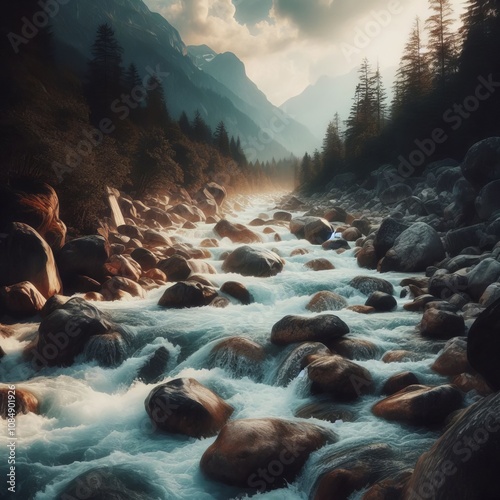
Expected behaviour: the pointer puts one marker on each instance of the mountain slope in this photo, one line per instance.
(152, 43)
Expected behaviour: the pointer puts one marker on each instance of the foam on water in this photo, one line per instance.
(93, 416)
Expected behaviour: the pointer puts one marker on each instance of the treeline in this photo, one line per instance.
(446, 97)
(111, 128)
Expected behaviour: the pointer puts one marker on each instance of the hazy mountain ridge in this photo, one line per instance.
(150, 41)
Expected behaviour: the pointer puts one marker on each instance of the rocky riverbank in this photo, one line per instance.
(425, 249)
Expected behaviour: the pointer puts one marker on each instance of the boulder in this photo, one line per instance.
(399, 382)
(159, 215)
(342, 379)
(154, 238)
(262, 454)
(453, 358)
(24, 400)
(250, 261)
(336, 244)
(320, 265)
(237, 233)
(293, 329)
(326, 301)
(84, 256)
(240, 356)
(490, 295)
(35, 204)
(387, 234)
(367, 256)
(282, 216)
(26, 256)
(237, 291)
(420, 405)
(438, 324)
(487, 201)
(187, 212)
(382, 302)
(369, 284)
(414, 250)
(115, 482)
(146, 259)
(21, 300)
(315, 230)
(395, 194)
(130, 230)
(483, 275)
(186, 294)
(351, 234)
(464, 461)
(179, 268)
(482, 162)
(112, 288)
(64, 333)
(184, 406)
(218, 192)
(483, 345)
(354, 348)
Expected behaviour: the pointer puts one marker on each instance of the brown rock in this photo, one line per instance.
(299, 251)
(185, 294)
(292, 329)
(319, 265)
(184, 406)
(399, 382)
(238, 291)
(420, 405)
(453, 359)
(278, 447)
(326, 301)
(361, 309)
(111, 288)
(237, 233)
(21, 300)
(351, 234)
(441, 324)
(24, 402)
(339, 377)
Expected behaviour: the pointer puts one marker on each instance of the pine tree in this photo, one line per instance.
(156, 107)
(380, 98)
(201, 131)
(221, 139)
(105, 73)
(333, 153)
(185, 126)
(442, 43)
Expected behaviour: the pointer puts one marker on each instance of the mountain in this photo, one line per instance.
(152, 43)
(317, 105)
(230, 71)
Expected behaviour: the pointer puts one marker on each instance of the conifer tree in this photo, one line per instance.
(221, 139)
(156, 106)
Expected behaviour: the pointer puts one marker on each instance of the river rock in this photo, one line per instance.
(64, 333)
(293, 329)
(179, 268)
(320, 265)
(382, 302)
(399, 382)
(420, 405)
(146, 258)
(26, 256)
(468, 450)
(159, 215)
(487, 201)
(114, 483)
(439, 324)
(25, 402)
(482, 162)
(483, 275)
(414, 250)
(490, 295)
(340, 378)
(240, 356)
(453, 359)
(282, 216)
(84, 256)
(238, 291)
(369, 284)
(367, 256)
(250, 261)
(186, 294)
(112, 288)
(483, 346)
(387, 234)
(217, 191)
(326, 301)
(184, 406)
(389, 489)
(354, 348)
(262, 454)
(21, 300)
(237, 233)
(315, 230)
(395, 194)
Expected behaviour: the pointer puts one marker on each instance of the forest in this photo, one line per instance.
(445, 99)
(110, 128)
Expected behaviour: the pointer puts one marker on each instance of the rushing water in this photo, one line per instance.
(93, 416)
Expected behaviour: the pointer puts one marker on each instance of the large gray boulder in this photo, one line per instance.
(415, 249)
(482, 163)
(250, 261)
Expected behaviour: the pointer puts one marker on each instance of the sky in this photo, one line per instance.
(287, 45)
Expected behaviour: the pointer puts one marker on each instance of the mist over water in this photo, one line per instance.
(93, 416)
